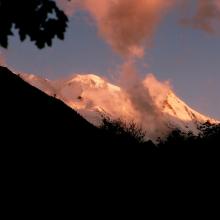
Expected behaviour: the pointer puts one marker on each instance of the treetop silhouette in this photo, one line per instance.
(40, 20)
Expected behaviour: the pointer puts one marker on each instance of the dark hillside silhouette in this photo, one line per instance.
(39, 130)
(30, 117)
(33, 121)
(42, 129)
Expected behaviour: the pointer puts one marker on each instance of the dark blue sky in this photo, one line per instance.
(189, 58)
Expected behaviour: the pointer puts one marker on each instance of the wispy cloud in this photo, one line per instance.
(207, 16)
(127, 25)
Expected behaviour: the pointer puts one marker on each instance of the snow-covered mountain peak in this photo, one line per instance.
(91, 81)
(92, 96)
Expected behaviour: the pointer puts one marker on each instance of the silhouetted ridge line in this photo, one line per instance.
(33, 118)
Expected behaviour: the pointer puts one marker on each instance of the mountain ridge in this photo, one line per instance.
(94, 98)
(33, 118)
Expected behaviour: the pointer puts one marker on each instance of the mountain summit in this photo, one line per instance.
(94, 98)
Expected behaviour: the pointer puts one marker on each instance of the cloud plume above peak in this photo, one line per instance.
(127, 26)
(146, 98)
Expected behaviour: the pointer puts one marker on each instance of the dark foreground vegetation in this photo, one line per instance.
(176, 143)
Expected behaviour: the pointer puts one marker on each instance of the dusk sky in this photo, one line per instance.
(188, 57)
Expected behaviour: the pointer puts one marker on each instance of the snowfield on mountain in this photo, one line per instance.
(95, 97)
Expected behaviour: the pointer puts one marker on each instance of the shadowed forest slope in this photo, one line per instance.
(29, 117)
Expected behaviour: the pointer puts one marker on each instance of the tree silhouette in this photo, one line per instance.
(126, 133)
(40, 20)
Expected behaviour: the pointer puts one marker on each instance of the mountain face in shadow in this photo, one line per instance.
(31, 118)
